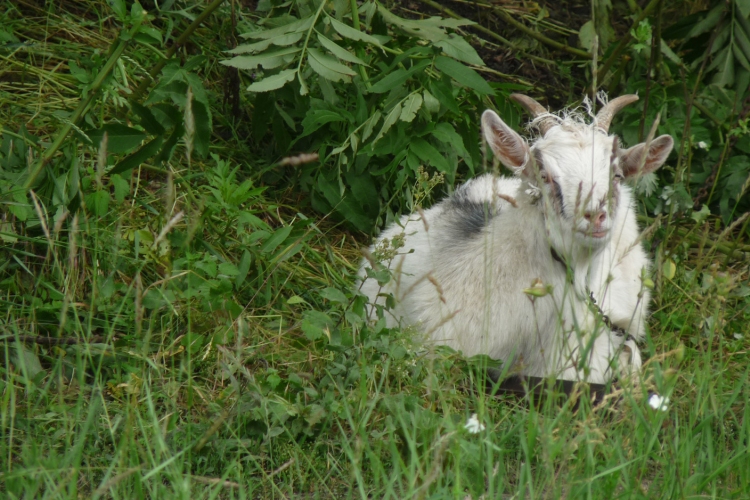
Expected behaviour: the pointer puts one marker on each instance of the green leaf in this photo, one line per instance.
(410, 108)
(369, 125)
(136, 159)
(254, 48)
(243, 268)
(427, 153)
(328, 68)
(391, 81)
(707, 23)
(348, 32)
(724, 77)
(334, 295)
(147, 119)
(293, 27)
(120, 138)
(391, 118)
(458, 48)
(744, 7)
(316, 324)
(463, 75)
(202, 128)
(122, 187)
(742, 41)
(316, 118)
(445, 133)
(396, 78)
(586, 35)
(98, 202)
(669, 53)
(276, 239)
(273, 82)
(339, 51)
(268, 60)
(431, 104)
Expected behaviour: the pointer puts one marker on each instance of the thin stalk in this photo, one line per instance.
(120, 47)
(360, 52)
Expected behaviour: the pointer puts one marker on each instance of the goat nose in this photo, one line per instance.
(595, 218)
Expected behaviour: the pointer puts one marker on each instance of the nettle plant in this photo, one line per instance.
(377, 100)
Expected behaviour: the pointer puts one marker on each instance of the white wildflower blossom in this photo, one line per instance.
(473, 425)
(703, 145)
(658, 402)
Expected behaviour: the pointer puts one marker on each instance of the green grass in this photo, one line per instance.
(230, 358)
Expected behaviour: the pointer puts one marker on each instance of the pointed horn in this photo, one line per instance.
(535, 110)
(605, 115)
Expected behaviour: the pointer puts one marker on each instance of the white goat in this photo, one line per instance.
(524, 268)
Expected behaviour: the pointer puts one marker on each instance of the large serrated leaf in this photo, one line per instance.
(410, 108)
(273, 82)
(328, 68)
(390, 119)
(458, 48)
(294, 27)
(268, 60)
(391, 81)
(352, 34)
(339, 51)
(463, 75)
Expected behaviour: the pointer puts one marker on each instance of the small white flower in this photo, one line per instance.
(703, 145)
(658, 402)
(738, 336)
(473, 425)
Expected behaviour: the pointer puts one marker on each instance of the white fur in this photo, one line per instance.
(467, 290)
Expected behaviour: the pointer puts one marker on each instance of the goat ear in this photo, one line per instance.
(638, 161)
(508, 146)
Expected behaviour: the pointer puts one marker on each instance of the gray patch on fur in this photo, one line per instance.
(469, 217)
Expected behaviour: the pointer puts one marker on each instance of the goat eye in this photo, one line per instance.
(619, 176)
(543, 174)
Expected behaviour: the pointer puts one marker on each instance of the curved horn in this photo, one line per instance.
(535, 110)
(605, 115)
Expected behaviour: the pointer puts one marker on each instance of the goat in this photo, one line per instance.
(544, 270)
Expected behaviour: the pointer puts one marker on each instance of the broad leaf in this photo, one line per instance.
(281, 40)
(458, 48)
(390, 119)
(273, 82)
(120, 138)
(410, 108)
(463, 75)
(141, 156)
(428, 154)
(339, 51)
(268, 60)
(328, 68)
(352, 34)
(294, 27)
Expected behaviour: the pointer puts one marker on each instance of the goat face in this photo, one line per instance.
(575, 169)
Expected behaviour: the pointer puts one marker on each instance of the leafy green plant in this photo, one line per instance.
(376, 106)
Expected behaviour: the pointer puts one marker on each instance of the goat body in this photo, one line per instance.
(508, 266)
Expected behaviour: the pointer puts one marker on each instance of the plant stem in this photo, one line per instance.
(360, 52)
(120, 46)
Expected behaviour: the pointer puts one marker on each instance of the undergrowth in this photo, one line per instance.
(179, 310)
